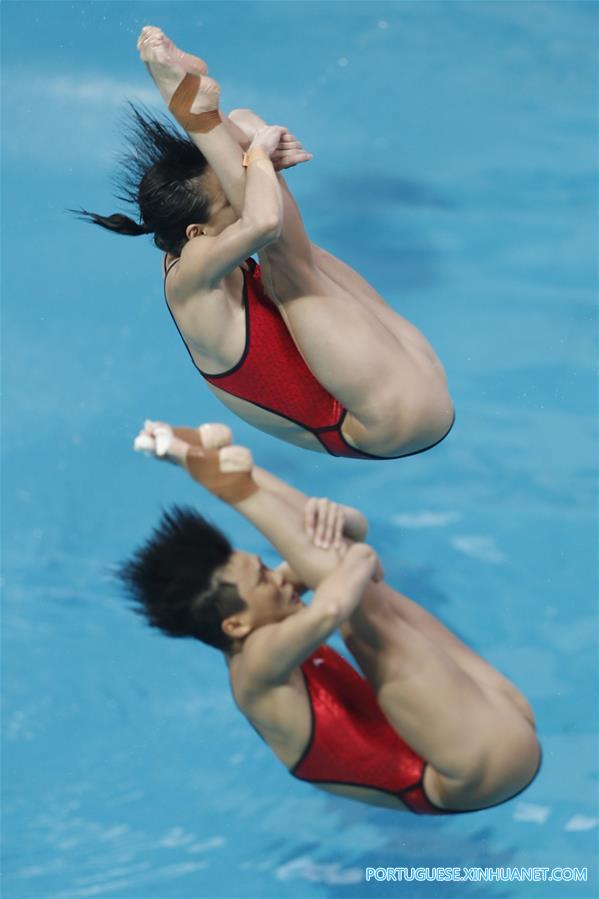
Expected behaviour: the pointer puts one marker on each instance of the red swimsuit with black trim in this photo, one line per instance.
(351, 742)
(273, 375)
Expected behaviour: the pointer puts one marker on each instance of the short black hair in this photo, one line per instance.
(170, 578)
(159, 176)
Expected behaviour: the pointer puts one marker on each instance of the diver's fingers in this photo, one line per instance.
(291, 152)
(379, 572)
(342, 549)
(332, 515)
(282, 157)
(287, 137)
(289, 161)
(321, 527)
(310, 516)
(339, 524)
(319, 524)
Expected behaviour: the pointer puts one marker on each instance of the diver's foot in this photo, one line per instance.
(205, 453)
(208, 436)
(168, 67)
(173, 443)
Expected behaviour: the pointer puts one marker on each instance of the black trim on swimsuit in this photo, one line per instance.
(348, 783)
(355, 449)
(246, 347)
(314, 431)
(308, 745)
(173, 263)
(399, 794)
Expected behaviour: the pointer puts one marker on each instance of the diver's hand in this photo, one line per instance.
(289, 152)
(267, 139)
(363, 550)
(327, 523)
(162, 441)
(323, 521)
(206, 454)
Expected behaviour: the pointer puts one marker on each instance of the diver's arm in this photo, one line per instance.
(224, 155)
(353, 524)
(283, 525)
(224, 146)
(242, 125)
(205, 260)
(295, 498)
(323, 520)
(291, 577)
(274, 651)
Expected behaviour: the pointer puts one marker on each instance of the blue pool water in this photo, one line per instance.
(455, 166)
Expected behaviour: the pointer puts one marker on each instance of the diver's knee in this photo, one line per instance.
(237, 114)
(244, 116)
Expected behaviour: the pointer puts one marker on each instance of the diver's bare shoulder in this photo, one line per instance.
(280, 712)
(206, 260)
(208, 313)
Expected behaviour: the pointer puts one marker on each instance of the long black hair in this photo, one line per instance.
(159, 174)
(170, 578)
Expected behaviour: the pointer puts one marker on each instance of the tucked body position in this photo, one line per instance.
(299, 345)
(423, 724)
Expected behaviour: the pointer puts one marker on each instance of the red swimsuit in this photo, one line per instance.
(352, 742)
(272, 373)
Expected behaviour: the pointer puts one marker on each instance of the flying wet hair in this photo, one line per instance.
(170, 578)
(159, 174)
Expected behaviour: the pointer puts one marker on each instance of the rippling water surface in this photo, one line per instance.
(455, 166)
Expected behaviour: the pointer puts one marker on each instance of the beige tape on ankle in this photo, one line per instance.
(189, 435)
(180, 106)
(230, 486)
(204, 467)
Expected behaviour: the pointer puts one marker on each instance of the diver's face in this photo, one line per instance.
(269, 597)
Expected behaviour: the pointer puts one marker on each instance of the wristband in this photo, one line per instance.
(253, 155)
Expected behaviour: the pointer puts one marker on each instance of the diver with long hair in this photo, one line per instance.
(300, 346)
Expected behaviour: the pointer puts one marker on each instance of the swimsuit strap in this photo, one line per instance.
(166, 269)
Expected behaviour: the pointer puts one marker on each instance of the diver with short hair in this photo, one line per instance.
(428, 726)
(300, 346)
